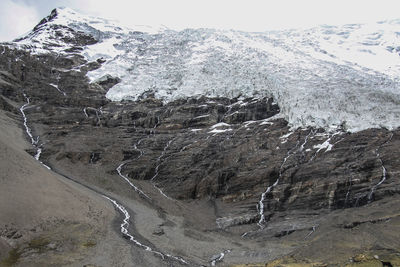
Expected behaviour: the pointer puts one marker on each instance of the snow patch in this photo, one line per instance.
(325, 145)
(216, 131)
(220, 124)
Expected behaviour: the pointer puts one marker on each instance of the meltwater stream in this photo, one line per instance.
(122, 209)
(219, 257)
(158, 164)
(125, 232)
(269, 188)
(384, 171)
(119, 170)
(34, 142)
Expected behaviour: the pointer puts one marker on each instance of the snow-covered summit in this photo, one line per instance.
(328, 76)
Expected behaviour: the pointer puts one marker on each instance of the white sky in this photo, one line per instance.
(19, 16)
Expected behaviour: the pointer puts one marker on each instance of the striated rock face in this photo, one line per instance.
(227, 149)
(263, 179)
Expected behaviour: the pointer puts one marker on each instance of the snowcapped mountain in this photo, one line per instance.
(329, 76)
(201, 166)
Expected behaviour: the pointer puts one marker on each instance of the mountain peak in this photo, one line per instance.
(50, 17)
(63, 16)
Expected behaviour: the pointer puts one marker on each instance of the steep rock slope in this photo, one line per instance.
(216, 172)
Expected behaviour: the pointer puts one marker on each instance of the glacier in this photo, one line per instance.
(331, 77)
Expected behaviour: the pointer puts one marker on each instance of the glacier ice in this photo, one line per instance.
(328, 76)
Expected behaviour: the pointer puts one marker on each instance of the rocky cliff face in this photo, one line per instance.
(262, 179)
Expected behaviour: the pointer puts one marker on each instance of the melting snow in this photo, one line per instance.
(286, 135)
(220, 124)
(247, 123)
(202, 116)
(325, 145)
(216, 131)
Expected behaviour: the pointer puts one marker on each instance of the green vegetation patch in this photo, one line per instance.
(39, 244)
(89, 244)
(13, 257)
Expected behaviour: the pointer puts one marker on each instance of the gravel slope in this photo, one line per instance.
(45, 218)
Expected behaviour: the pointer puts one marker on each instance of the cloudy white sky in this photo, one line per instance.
(19, 16)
